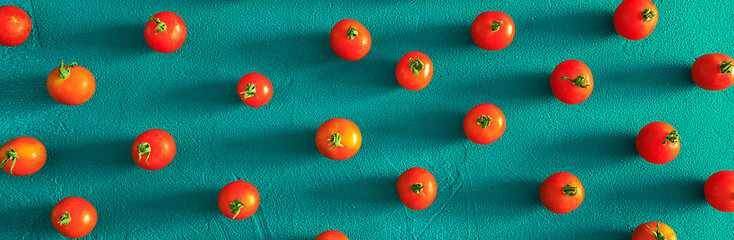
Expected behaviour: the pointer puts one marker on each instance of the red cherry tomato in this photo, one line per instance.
(338, 139)
(350, 40)
(417, 188)
(484, 124)
(572, 82)
(23, 156)
(414, 71)
(654, 231)
(713, 72)
(493, 30)
(74, 217)
(165, 32)
(658, 143)
(255, 89)
(15, 26)
(719, 191)
(332, 235)
(238, 200)
(153, 149)
(635, 19)
(561, 193)
(71, 84)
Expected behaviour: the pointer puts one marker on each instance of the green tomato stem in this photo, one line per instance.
(672, 137)
(352, 33)
(65, 71)
(569, 190)
(496, 25)
(647, 14)
(725, 67)
(417, 188)
(144, 148)
(416, 65)
(161, 26)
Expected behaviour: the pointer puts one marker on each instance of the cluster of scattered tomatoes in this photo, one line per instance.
(339, 139)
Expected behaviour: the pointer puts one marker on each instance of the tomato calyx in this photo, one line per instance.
(335, 140)
(496, 25)
(161, 26)
(65, 219)
(725, 67)
(672, 137)
(11, 155)
(235, 206)
(352, 33)
(416, 188)
(484, 121)
(579, 81)
(65, 71)
(250, 91)
(144, 148)
(416, 65)
(569, 190)
(656, 233)
(647, 14)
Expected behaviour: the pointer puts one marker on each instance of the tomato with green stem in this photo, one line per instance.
(484, 124)
(658, 143)
(350, 40)
(635, 19)
(654, 231)
(572, 82)
(719, 191)
(165, 32)
(71, 84)
(332, 235)
(338, 139)
(15, 26)
(414, 71)
(238, 200)
(562, 193)
(417, 188)
(23, 156)
(255, 89)
(153, 149)
(713, 71)
(74, 217)
(493, 30)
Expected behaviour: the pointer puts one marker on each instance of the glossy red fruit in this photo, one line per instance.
(493, 30)
(572, 82)
(654, 231)
(562, 193)
(154, 149)
(719, 191)
(658, 143)
(23, 156)
(417, 188)
(15, 26)
(165, 32)
(350, 40)
(238, 200)
(414, 71)
(332, 235)
(255, 89)
(635, 19)
(713, 71)
(338, 139)
(484, 124)
(74, 217)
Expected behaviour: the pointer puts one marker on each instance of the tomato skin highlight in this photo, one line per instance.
(706, 72)
(554, 198)
(629, 22)
(31, 156)
(15, 26)
(485, 37)
(719, 191)
(161, 149)
(426, 186)
(260, 94)
(245, 193)
(349, 134)
(76, 89)
(169, 40)
(646, 231)
(332, 235)
(564, 89)
(650, 145)
(490, 133)
(350, 49)
(406, 76)
(82, 214)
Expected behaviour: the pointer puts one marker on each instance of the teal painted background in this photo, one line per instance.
(485, 192)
